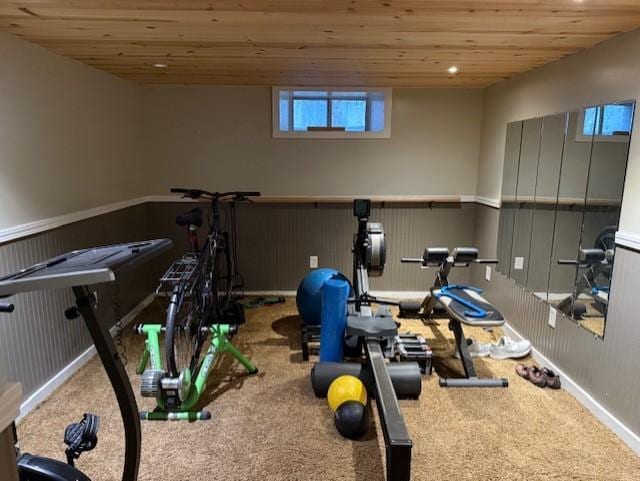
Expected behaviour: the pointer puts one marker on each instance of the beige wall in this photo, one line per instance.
(605, 73)
(68, 135)
(220, 138)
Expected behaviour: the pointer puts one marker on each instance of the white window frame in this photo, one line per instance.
(318, 134)
(580, 137)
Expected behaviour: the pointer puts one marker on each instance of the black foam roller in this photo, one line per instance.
(405, 376)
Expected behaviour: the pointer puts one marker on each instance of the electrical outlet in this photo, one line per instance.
(313, 262)
(553, 314)
(487, 273)
(518, 263)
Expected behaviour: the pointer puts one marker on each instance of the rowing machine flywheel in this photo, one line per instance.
(376, 250)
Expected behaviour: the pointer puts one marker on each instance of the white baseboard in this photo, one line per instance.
(61, 377)
(600, 412)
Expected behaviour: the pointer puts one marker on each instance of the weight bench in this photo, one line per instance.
(461, 304)
(465, 305)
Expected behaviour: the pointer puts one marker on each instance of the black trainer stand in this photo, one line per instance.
(78, 270)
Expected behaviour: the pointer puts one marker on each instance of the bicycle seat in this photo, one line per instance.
(192, 217)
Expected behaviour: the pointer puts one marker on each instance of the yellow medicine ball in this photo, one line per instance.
(346, 388)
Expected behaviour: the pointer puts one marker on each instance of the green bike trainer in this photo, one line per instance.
(177, 397)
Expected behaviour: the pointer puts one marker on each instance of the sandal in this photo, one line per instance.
(532, 374)
(552, 380)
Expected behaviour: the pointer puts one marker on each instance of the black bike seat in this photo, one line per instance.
(192, 217)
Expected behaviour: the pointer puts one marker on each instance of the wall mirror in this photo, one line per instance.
(562, 188)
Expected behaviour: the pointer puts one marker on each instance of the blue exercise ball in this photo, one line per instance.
(309, 295)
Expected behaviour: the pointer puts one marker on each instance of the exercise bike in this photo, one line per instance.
(79, 270)
(79, 437)
(201, 307)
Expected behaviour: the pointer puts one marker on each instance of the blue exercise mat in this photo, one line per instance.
(335, 293)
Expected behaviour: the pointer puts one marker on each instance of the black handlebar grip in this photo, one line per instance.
(179, 190)
(251, 194)
(8, 308)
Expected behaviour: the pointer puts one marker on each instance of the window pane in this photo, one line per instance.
(350, 114)
(309, 113)
(617, 118)
(590, 120)
(284, 113)
(377, 115)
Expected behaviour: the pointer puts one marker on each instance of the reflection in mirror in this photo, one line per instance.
(525, 200)
(508, 196)
(611, 134)
(562, 189)
(546, 195)
(572, 191)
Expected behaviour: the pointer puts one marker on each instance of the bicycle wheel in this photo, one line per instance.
(184, 336)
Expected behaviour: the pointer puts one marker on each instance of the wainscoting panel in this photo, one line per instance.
(276, 240)
(37, 341)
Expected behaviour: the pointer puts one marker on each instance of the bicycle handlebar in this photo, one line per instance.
(197, 193)
(8, 308)
(411, 260)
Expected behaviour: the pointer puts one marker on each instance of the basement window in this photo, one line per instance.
(331, 114)
(606, 123)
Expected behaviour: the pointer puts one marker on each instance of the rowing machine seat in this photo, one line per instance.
(368, 326)
(192, 217)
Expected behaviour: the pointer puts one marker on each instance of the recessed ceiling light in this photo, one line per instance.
(160, 65)
(453, 70)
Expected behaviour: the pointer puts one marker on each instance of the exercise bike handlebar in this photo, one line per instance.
(7, 308)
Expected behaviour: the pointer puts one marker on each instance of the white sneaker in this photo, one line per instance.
(507, 348)
(476, 349)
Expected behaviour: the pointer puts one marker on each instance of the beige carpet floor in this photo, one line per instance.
(271, 427)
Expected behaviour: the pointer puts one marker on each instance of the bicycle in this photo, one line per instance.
(200, 287)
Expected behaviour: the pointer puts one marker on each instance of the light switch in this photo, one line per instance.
(518, 263)
(313, 262)
(553, 314)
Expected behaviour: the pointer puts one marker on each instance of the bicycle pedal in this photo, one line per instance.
(81, 437)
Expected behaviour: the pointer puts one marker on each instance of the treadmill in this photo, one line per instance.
(79, 270)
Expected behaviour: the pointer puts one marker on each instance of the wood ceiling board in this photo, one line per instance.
(378, 41)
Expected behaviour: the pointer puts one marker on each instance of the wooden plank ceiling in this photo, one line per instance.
(318, 42)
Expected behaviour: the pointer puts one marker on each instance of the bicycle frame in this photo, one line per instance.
(193, 276)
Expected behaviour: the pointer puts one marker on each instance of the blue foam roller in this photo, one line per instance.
(335, 293)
